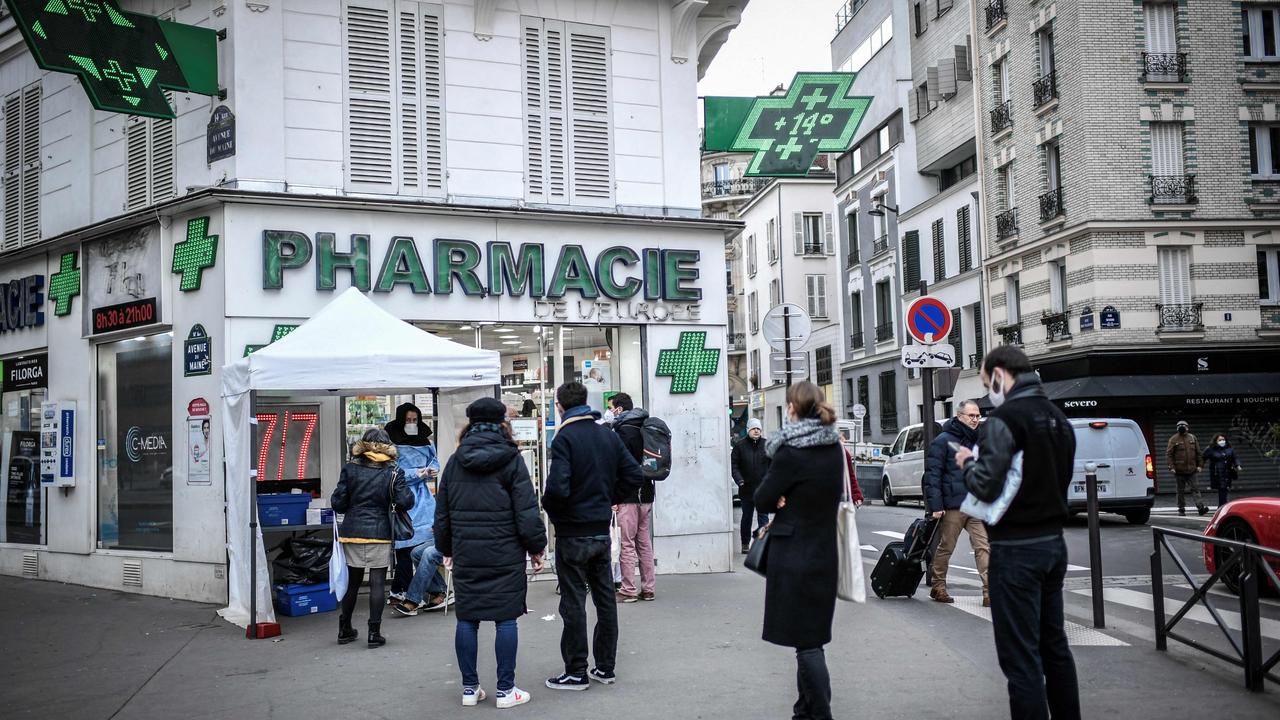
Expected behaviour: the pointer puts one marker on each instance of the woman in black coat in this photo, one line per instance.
(804, 484)
(486, 524)
(1223, 466)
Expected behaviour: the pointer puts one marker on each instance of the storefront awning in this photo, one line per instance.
(1181, 390)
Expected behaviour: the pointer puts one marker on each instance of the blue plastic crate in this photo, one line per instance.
(297, 599)
(283, 508)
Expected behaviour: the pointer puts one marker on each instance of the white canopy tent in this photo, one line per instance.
(350, 347)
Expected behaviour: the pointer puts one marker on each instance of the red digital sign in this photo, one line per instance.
(132, 314)
(282, 437)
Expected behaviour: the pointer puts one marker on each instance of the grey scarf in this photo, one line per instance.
(802, 434)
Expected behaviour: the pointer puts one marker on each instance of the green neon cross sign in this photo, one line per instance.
(193, 255)
(91, 9)
(279, 331)
(123, 77)
(689, 361)
(65, 284)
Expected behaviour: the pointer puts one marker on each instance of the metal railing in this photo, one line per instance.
(812, 248)
(884, 331)
(1173, 189)
(1180, 316)
(737, 342)
(1244, 564)
(731, 188)
(1010, 334)
(1056, 326)
(888, 423)
(1051, 205)
(1164, 67)
(1007, 223)
(846, 12)
(857, 341)
(1001, 117)
(853, 258)
(995, 13)
(1045, 89)
(880, 245)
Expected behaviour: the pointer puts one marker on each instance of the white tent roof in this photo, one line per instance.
(353, 345)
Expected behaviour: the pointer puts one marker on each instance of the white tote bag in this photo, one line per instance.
(337, 566)
(990, 513)
(852, 582)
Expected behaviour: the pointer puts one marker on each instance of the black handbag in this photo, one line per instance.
(758, 554)
(401, 523)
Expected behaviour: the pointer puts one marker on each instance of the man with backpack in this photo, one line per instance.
(634, 510)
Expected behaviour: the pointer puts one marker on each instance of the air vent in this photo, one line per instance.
(30, 565)
(132, 573)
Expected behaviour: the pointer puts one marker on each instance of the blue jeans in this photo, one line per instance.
(1026, 612)
(466, 645)
(426, 579)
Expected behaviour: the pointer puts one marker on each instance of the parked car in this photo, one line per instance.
(903, 476)
(1126, 475)
(1253, 520)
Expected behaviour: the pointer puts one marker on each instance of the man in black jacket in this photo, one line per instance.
(1028, 554)
(591, 471)
(944, 491)
(635, 510)
(750, 463)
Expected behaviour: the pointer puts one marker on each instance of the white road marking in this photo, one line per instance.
(891, 534)
(1077, 635)
(869, 548)
(1144, 601)
(1218, 591)
(1075, 568)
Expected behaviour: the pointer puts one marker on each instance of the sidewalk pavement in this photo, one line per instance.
(76, 652)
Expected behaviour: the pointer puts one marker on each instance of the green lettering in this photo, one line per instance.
(516, 276)
(652, 275)
(573, 272)
(281, 250)
(329, 261)
(679, 266)
(457, 259)
(604, 273)
(402, 265)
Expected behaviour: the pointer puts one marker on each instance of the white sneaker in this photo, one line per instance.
(511, 698)
(471, 696)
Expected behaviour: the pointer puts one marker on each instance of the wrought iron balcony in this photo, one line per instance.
(1164, 67)
(1007, 223)
(853, 259)
(857, 341)
(1045, 89)
(731, 188)
(813, 248)
(995, 13)
(1056, 326)
(737, 342)
(1176, 189)
(1010, 334)
(1182, 317)
(889, 421)
(884, 331)
(1051, 205)
(847, 11)
(1001, 117)
(880, 245)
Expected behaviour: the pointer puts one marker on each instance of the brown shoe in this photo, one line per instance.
(986, 600)
(647, 596)
(940, 595)
(625, 598)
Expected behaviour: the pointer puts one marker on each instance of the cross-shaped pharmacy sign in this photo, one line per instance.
(689, 361)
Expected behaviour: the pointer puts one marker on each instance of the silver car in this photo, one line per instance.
(904, 468)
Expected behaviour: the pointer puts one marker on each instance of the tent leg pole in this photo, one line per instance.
(253, 565)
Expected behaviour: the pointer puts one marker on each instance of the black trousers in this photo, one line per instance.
(814, 683)
(582, 566)
(404, 570)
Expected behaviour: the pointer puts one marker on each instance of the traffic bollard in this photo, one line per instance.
(1095, 542)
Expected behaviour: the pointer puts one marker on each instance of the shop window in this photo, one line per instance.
(135, 460)
(25, 511)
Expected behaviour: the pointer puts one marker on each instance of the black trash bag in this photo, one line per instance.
(303, 560)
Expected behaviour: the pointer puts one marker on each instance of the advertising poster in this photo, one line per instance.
(198, 451)
(144, 434)
(22, 493)
(122, 275)
(596, 376)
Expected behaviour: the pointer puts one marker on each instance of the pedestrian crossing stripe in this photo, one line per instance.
(1077, 635)
(1145, 601)
(900, 536)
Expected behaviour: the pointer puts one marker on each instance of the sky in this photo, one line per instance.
(776, 39)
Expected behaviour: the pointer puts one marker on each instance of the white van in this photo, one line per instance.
(1126, 476)
(903, 476)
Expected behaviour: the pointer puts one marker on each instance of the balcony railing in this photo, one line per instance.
(1007, 223)
(880, 245)
(1051, 205)
(737, 342)
(888, 420)
(884, 331)
(1176, 189)
(1010, 334)
(995, 13)
(731, 188)
(846, 13)
(853, 259)
(1056, 326)
(1045, 89)
(857, 341)
(1164, 67)
(812, 248)
(1182, 317)
(1001, 117)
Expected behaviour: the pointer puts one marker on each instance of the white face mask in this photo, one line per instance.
(411, 428)
(998, 389)
(1222, 443)
(607, 416)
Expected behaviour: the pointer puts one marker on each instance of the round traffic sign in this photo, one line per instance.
(928, 320)
(783, 322)
(859, 411)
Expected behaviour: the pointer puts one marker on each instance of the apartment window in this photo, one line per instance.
(884, 303)
(822, 365)
(1261, 31)
(943, 6)
(150, 161)
(22, 167)
(1012, 310)
(911, 261)
(1053, 165)
(812, 233)
(569, 155)
(864, 390)
(879, 37)
(1264, 150)
(939, 251)
(720, 173)
(953, 175)
(751, 255)
(1058, 286)
(920, 14)
(1044, 42)
(395, 92)
(1175, 275)
(771, 240)
(1268, 276)
(965, 239)
(1162, 63)
(882, 136)
(851, 223)
(888, 401)
(775, 293)
(881, 220)
(855, 318)
(919, 100)
(1166, 149)
(753, 312)
(857, 161)
(1001, 84)
(754, 372)
(816, 295)
(1004, 187)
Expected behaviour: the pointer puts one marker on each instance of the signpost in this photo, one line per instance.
(859, 412)
(787, 327)
(928, 319)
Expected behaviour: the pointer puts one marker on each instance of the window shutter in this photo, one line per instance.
(947, 77)
(913, 104)
(964, 69)
(12, 171)
(419, 93)
(822, 295)
(931, 81)
(979, 340)
(911, 261)
(31, 163)
(163, 156)
(828, 241)
(136, 170)
(1166, 148)
(1175, 275)
(371, 144)
(965, 240)
(799, 232)
(939, 251)
(956, 337)
(1161, 34)
(591, 158)
(811, 295)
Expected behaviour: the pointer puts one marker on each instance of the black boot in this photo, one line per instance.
(346, 633)
(375, 635)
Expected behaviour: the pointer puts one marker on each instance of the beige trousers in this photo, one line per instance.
(952, 522)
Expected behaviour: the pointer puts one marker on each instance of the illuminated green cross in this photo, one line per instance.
(784, 151)
(814, 98)
(91, 9)
(65, 284)
(123, 78)
(786, 133)
(193, 255)
(689, 361)
(277, 332)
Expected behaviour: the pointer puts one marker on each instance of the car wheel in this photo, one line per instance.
(886, 493)
(1232, 530)
(1138, 517)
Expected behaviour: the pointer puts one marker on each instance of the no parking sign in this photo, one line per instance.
(928, 320)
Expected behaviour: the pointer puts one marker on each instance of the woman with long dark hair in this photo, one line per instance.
(804, 483)
(1223, 466)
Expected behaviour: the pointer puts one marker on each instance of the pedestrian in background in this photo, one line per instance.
(634, 510)
(486, 524)
(804, 483)
(1223, 466)
(944, 492)
(1183, 453)
(363, 495)
(591, 471)
(749, 463)
(416, 457)
(1028, 553)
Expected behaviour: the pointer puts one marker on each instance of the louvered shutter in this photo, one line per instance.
(964, 69)
(432, 63)
(162, 158)
(913, 104)
(965, 239)
(828, 240)
(546, 118)
(822, 295)
(931, 81)
(939, 252)
(1166, 148)
(591, 154)
(947, 77)
(371, 142)
(956, 337)
(12, 171)
(979, 339)
(137, 168)
(1161, 34)
(798, 219)
(31, 163)
(911, 261)
(1175, 275)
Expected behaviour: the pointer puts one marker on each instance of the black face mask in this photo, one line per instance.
(1182, 431)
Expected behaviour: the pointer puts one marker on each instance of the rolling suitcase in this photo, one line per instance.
(919, 539)
(895, 573)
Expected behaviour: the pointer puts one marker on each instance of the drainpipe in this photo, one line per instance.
(979, 206)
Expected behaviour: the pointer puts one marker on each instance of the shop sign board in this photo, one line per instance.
(21, 303)
(123, 278)
(25, 373)
(198, 352)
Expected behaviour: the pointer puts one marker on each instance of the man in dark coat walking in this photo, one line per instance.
(635, 511)
(750, 462)
(591, 471)
(944, 491)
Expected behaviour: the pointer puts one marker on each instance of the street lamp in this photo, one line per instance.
(880, 208)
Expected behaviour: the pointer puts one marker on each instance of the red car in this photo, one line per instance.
(1253, 520)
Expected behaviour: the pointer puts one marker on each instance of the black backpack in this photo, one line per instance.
(656, 460)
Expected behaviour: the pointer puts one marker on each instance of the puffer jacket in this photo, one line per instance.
(363, 496)
(749, 464)
(944, 487)
(1183, 454)
(630, 428)
(1222, 464)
